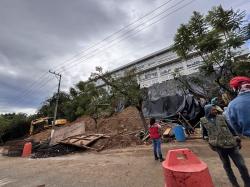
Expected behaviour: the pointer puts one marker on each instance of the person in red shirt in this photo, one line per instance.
(154, 133)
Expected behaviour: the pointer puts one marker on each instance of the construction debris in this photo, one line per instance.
(13, 148)
(40, 137)
(83, 141)
(167, 131)
(45, 150)
(118, 131)
(70, 130)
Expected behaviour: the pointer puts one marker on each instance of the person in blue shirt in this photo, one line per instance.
(238, 111)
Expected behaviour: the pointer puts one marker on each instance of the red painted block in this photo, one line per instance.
(182, 168)
(27, 149)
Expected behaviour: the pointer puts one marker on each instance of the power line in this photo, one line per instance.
(46, 81)
(121, 58)
(131, 34)
(140, 29)
(59, 76)
(40, 86)
(96, 44)
(131, 30)
(33, 84)
(118, 31)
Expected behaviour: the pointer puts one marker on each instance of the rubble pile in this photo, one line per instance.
(89, 123)
(41, 136)
(123, 128)
(118, 131)
(44, 150)
(128, 120)
(13, 148)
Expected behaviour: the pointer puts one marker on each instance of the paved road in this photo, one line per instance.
(133, 167)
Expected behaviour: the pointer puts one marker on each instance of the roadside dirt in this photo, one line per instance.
(121, 128)
(128, 167)
(127, 120)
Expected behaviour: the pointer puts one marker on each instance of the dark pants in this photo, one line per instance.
(157, 148)
(204, 132)
(238, 160)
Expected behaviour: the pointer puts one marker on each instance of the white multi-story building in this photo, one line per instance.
(158, 67)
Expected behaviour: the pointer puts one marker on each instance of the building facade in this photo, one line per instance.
(157, 67)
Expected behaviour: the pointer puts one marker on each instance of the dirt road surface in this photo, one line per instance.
(130, 167)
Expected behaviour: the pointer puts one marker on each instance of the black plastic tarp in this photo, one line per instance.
(169, 106)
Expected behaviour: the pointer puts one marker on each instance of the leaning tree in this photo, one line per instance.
(217, 38)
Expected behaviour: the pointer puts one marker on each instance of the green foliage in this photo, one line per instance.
(47, 109)
(225, 20)
(13, 126)
(84, 99)
(90, 100)
(124, 88)
(216, 38)
(242, 67)
(183, 41)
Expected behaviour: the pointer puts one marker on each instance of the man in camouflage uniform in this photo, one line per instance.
(223, 140)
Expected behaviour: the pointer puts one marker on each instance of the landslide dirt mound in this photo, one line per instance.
(89, 123)
(121, 127)
(127, 120)
(118, 141)
(41, 136)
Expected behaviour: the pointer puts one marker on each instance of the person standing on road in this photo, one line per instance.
(155, 135)
(224, 140)
(238, 111)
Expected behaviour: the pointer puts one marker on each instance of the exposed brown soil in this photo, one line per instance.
(127, 120)
(41, 136)
(122, 129)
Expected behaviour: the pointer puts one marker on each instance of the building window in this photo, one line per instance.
(139, 67)
(179, 68)
(165, 71)
(150, 75)
(193, 64)
(151, 63)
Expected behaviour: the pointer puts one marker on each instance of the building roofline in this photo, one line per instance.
(152, 55)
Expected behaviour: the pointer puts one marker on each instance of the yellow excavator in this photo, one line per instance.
(40, 124)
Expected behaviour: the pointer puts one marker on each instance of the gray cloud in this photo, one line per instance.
(36, 36)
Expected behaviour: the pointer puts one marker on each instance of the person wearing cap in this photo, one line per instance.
(223, 139)
(155, 135)
(214, 101)
(238, 111)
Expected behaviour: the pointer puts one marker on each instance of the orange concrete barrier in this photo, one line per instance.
(182, 168)
(27, 149)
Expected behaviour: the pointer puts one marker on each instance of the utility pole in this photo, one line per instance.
(57, 98)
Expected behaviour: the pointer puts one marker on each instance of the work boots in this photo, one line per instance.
(161, 158)
(156, 157)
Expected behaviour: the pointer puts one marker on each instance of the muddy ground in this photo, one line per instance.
(132, 166)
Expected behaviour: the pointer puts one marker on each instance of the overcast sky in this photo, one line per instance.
(60, 35)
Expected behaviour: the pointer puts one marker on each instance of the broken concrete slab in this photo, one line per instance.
(64, 132)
